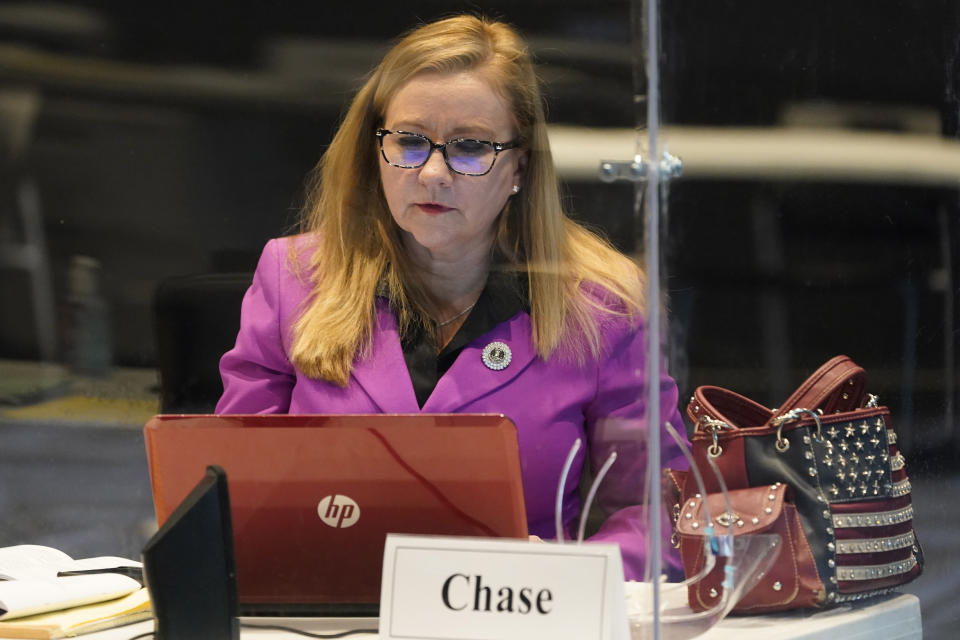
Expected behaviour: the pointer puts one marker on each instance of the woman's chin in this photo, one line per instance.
(442, 246)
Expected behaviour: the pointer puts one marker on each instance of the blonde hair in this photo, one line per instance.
(359, 248)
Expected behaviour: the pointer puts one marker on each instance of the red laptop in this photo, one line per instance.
(313, 497)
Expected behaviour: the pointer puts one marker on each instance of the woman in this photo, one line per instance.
(435, 245)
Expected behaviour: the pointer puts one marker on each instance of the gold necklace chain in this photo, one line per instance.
(461, 314)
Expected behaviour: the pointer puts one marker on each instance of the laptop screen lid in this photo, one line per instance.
(313, 497)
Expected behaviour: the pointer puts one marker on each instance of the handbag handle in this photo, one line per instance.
(838, 385)
(710, 403)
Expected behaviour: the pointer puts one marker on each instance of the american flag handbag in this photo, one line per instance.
(833, 449)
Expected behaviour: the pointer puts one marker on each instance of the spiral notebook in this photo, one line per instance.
(313, 497)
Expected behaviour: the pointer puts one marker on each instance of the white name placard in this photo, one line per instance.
(453, 588)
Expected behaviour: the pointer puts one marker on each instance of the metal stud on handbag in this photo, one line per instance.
(823, 470)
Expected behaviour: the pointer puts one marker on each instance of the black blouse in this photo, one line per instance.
(504, 296)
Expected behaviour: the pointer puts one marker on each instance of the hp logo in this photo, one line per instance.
(338, 511)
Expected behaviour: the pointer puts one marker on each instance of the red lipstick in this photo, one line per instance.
(433, 207)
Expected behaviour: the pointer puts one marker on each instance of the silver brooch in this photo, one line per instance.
(497, 356)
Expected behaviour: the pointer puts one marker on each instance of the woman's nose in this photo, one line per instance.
(435, 170)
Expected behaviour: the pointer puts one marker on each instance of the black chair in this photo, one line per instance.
(197, 318)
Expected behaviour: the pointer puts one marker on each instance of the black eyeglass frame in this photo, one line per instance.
(497, 148)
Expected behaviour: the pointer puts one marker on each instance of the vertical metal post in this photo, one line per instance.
(652, 246)
(649, 170)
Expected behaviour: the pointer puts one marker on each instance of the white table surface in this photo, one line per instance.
(895, 617)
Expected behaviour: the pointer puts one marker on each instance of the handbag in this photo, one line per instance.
(823, 471)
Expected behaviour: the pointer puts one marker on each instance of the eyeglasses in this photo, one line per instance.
(465, 156)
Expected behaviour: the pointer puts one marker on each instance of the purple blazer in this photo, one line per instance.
(552, 402)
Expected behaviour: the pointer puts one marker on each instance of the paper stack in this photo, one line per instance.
(38, 601)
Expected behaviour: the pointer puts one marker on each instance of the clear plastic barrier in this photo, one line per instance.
(787, 176)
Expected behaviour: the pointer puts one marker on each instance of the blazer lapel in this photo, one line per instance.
(383, 375)
(469, 378)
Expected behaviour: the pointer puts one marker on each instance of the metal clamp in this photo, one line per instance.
(636, 171)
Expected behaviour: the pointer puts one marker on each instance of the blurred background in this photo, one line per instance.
(148, 150)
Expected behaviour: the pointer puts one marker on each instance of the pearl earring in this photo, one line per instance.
(516, 188)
